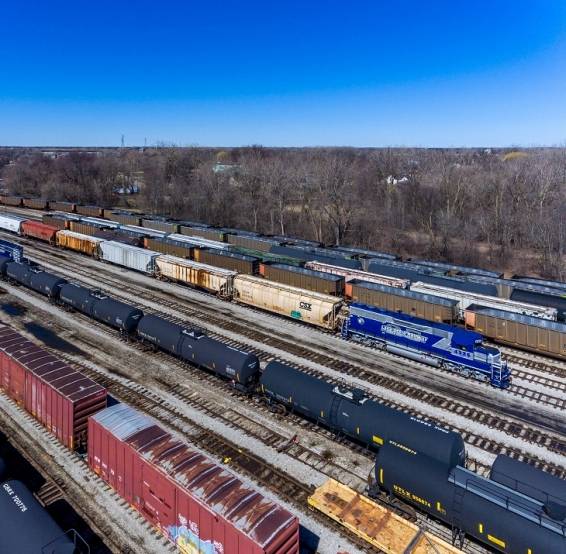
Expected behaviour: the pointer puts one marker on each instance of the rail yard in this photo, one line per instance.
(374, 389)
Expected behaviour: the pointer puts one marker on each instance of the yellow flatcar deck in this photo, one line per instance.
(375, 524)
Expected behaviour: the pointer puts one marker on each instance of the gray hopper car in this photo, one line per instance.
(307, 279)
(425, 306)
(160, 225)
(247, 265)
(93, 211)
(263, 244)
(209, 233)
(124, 218)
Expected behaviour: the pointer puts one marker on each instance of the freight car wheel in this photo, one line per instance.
(278, 409)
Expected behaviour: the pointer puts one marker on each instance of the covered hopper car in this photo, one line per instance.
(318, 309)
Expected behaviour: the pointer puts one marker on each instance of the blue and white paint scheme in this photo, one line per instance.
(436, 344)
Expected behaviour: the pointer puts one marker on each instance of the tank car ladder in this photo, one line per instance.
(457, 534)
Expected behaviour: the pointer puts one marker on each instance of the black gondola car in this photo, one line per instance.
(201, 350)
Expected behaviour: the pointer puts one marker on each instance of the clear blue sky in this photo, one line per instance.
(375, 73)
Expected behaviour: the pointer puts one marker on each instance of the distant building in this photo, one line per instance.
(394, 181)
(225, 168)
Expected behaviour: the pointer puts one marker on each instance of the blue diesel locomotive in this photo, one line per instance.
(435, 344)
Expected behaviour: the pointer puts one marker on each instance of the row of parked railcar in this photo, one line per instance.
(415, 338)
(451, 298)
(537, 526)
(256, 241)
(418, 461)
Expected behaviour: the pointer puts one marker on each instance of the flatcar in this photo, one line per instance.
(436, 344)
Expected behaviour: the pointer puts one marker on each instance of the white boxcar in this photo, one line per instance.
(199, 241)
(12, 222)
(311, 307)
(466, 299)
(133, 257)
(351, 274)
(214, 279)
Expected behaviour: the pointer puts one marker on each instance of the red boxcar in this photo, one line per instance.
(57, 395)
(195, 503)
(38, 230)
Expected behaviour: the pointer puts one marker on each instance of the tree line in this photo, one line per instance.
(501, 209)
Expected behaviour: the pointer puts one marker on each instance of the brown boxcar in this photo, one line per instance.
(190, 498)
(165, 246)
(307, 279)
(36, 203)
(94, 211)
(61, 206)
(10, 200)
(38, 230)
(228, 260)
(160, 225)
(209, 233)
(55, 221)
(263, 244)
(521, 331)
(123, 217)
(426, 306)
(58, 396)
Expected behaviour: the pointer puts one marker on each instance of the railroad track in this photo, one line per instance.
(294, 491)
(548, 366)
(253, 466)
(243, 329)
